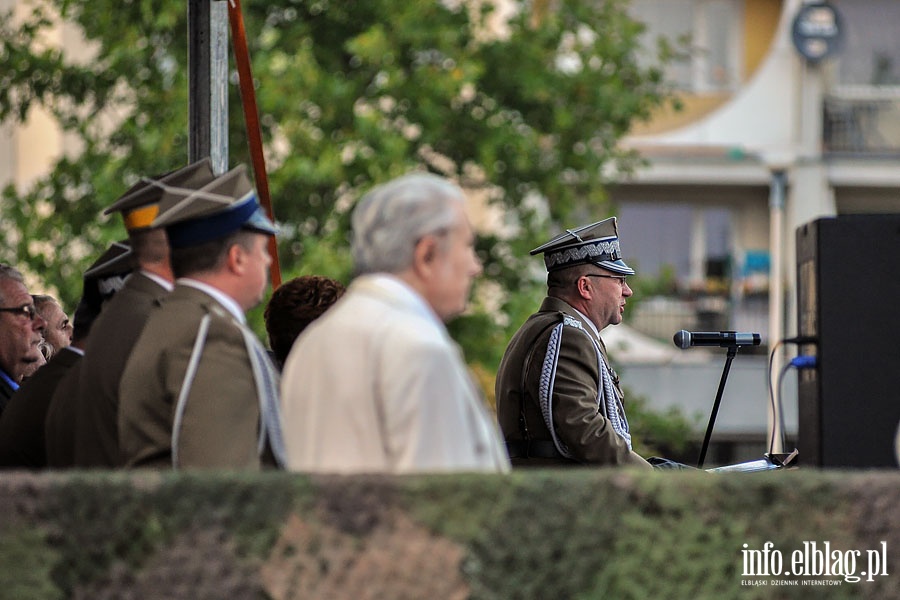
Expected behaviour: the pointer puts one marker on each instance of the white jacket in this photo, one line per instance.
(376, 385)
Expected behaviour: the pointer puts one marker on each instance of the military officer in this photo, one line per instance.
(123, 317)
(558, 399)
(198, 390)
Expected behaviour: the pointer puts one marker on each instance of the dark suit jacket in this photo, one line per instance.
(59, 426)
(6, 392)
(220, 425)
(577, 419)
(22, 423)
(112, 337)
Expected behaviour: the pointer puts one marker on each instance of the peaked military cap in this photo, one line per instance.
(140, 204)
(597, 243)
(225, 205)
(114, 261)
(109, 271)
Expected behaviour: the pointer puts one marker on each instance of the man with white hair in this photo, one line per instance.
(376, 384)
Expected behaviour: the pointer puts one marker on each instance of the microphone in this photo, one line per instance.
(723, 339)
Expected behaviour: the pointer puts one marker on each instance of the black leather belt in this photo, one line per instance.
(533, 449)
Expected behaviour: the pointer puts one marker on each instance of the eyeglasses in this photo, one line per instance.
(620, 278)
(26, 309)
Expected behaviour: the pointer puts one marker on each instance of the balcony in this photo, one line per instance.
(862, 121)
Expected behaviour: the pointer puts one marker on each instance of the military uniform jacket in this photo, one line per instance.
(579, 414)
(190, 394)
(96, 405)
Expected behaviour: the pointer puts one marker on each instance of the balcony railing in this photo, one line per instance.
(661, 316)
(862, 121)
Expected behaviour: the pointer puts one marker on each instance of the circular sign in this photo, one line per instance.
(817, 31)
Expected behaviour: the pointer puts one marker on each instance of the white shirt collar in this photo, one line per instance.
(586, 320)
(218, 295)
(165, 283)
(78, 351)
(399, 289)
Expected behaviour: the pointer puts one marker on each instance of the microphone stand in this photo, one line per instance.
(732, 351)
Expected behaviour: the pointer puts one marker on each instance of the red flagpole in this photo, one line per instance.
(251, 118)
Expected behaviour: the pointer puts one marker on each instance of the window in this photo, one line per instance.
(713, 31)
(870, 53)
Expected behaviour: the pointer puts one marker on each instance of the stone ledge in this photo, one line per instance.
(538, 534)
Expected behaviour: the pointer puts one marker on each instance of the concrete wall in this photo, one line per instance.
(693, 388)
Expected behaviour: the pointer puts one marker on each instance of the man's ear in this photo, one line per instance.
(425, 253)
(584, 287)
(236, 258)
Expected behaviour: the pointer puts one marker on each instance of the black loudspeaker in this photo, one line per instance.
(848, 297)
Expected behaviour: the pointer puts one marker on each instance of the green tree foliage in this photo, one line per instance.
(350, 93)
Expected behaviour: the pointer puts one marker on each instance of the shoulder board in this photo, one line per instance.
(571, 321)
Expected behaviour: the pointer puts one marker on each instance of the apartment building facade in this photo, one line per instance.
(768, 140)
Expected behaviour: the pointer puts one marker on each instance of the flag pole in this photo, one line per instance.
(251, 118)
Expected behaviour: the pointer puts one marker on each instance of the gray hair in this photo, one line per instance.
(393, 217)
(8, 272)
(41, 300)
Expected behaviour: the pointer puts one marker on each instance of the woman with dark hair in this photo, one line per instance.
(293, 306)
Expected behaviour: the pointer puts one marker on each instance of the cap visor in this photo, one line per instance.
(260, 223)
(616, 266)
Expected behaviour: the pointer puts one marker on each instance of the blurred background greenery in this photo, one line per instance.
(524, 111)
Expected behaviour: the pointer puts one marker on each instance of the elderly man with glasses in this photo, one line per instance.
(21, 332)
(558, 399)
